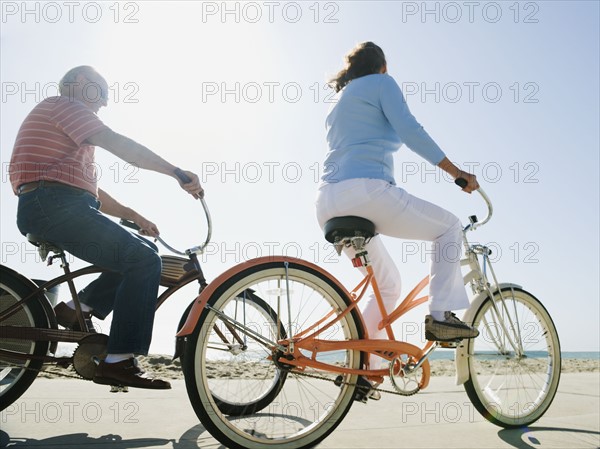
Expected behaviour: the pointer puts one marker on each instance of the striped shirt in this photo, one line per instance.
(51, 146)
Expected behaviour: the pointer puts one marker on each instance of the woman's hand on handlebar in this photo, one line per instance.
(189, 182)
(472, 183)
(471, 180)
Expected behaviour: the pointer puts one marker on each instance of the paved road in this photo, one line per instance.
(61, 414)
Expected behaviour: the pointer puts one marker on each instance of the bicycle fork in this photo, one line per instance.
(498, 301)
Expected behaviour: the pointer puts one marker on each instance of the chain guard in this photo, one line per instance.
(89, 348)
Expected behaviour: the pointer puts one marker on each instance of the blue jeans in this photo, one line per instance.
(70, 219)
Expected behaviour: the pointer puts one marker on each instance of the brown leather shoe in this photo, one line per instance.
(67, 317)
(127, 373)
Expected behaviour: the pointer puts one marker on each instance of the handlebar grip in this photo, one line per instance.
(129, 224)
(182, 176)
(461, 182)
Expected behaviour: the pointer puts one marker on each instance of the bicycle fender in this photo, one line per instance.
(201, 300)
(462, 356)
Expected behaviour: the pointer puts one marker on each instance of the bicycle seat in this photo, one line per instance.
(340, 228)
(44, 247)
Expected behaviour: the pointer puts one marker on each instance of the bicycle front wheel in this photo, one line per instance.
(515, 363)
(251, 310)
(304, 405)
(19, 358)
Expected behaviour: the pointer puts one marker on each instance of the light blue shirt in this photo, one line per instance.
(368, 123)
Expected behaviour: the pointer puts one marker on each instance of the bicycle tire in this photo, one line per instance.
(507, 389)
(17, 375)
(286, 423)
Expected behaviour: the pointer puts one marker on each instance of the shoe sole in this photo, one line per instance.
(430, 337)
(113, 382)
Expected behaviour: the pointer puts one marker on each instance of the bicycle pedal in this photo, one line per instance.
(429, 336)
(450, 344)
(119, 389)
(338, 381)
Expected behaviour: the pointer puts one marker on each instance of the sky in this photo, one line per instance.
(236, 92)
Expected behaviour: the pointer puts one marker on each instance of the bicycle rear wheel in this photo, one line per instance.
(307, 405)
(17, 372)
(513, 384)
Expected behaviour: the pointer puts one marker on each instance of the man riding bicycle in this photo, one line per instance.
(52, 172)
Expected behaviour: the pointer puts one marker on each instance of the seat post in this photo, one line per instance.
(44, 249)
(361, 258)
(64, 264)
(350, 231)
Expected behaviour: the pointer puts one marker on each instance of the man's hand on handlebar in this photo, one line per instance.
(190, 182)
(146, 227)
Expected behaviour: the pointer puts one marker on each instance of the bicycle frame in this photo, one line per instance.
(55, 335)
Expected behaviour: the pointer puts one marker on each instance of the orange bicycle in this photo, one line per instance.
(286, 379)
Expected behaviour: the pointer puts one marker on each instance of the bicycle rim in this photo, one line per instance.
(305, 409)
(16, 374)
(510, 386)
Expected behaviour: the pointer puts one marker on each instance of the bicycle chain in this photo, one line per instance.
(69, 362)
(41, 370)
(381, 390)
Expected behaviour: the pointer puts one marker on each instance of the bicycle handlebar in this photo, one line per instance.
(462, 183)
(194, 250)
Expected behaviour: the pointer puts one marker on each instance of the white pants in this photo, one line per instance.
(398, 214)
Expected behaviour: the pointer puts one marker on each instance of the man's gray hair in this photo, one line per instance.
(64, 86)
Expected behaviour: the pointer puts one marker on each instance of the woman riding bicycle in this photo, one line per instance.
(369, 122)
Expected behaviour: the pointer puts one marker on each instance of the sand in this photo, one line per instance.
(164, 367)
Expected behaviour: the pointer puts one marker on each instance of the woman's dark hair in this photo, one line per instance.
(364, 59)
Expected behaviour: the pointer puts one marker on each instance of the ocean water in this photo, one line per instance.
(580, 355)
(445, 354)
